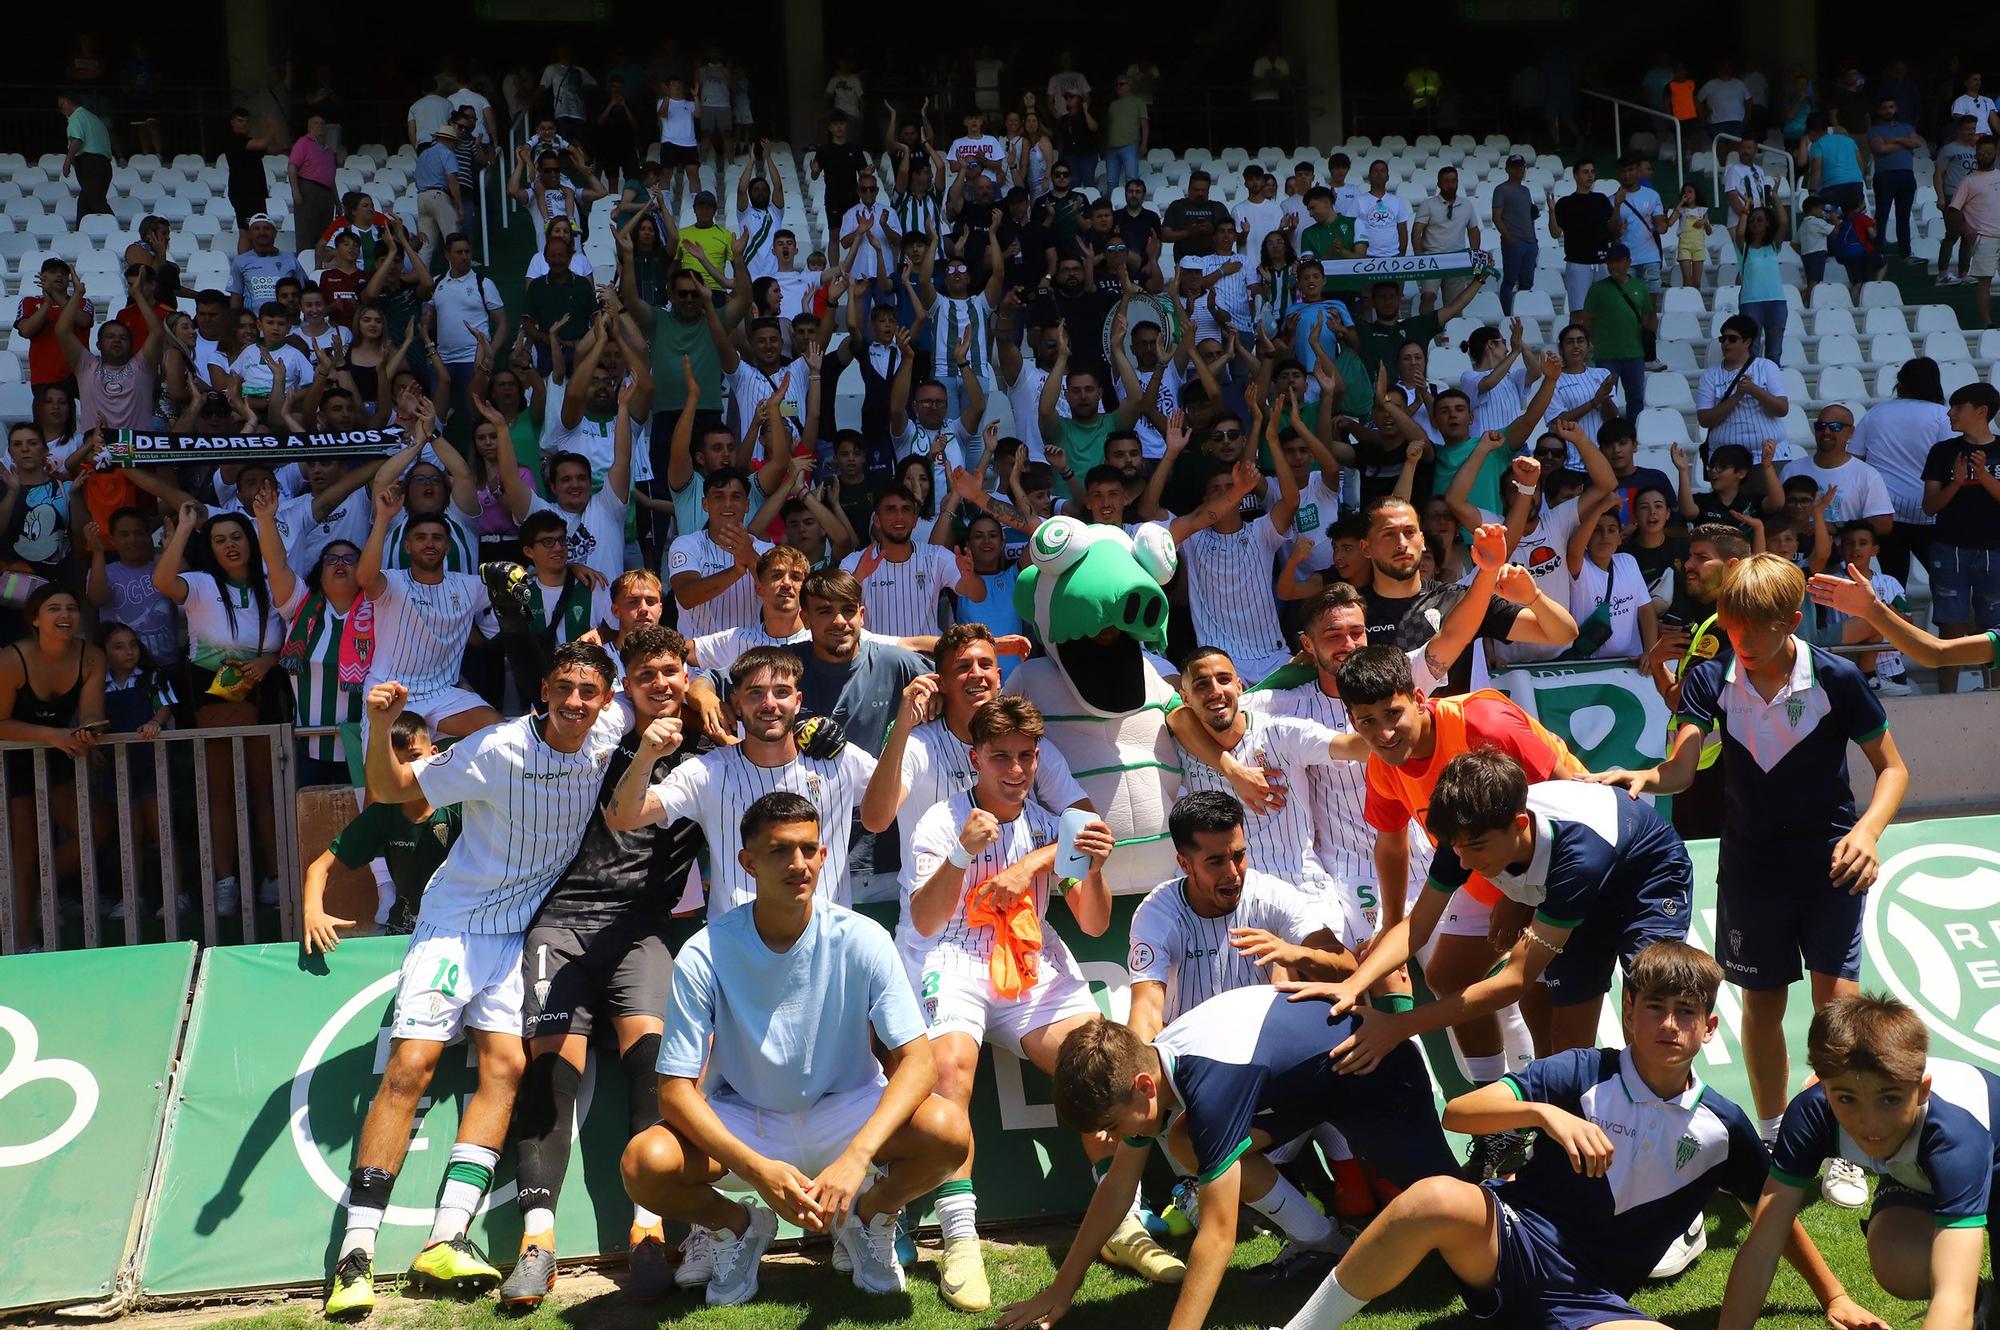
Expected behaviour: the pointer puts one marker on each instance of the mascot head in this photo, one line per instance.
(1095, 596)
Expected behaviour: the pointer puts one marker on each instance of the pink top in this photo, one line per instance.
(494, 519)
(314, 161)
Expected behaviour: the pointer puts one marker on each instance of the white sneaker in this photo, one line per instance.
(697, 1265)
(228, 897)
(1844, 1184)
(737, 1258)
(116, 914)
(1685, 1249)
(180, 906)
(871, 1253)
(268, 891)
(1894, 685)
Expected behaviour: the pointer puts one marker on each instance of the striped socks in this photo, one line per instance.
(466, 1179)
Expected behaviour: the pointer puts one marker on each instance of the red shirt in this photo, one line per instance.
(133, 319)
(343, 293)
(46, 363)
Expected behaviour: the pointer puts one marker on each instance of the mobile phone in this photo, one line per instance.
(96, 726)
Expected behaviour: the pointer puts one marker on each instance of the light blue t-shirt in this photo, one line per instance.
(435, 165)
(1839, 159)
(1637, 214)
(789, 1028)
(1896, 159)
(89, 132)
(1758, 270)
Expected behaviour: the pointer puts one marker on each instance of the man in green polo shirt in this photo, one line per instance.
(1385, 335)
(1616, 311)
(1081, 435)
(689, 330)
(88, 153)
(1331, 236)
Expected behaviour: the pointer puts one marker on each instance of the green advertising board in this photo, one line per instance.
(281, 1061)
(86, 1054)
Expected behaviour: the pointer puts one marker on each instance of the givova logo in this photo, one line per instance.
(336, 1080)
(1933, 931)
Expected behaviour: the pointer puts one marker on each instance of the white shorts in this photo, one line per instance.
(457, 981)
(434, 706)
(1985, 257)
(955, 1004)
(808, 1140)
(1464, 916)
(1360, 912)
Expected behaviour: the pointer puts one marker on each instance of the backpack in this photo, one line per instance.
(1853, 240)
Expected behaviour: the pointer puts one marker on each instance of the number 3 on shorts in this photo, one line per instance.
(445, 980)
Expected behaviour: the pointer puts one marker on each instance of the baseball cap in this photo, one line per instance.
(1191, 263)
(1515, 157)
(260, 219)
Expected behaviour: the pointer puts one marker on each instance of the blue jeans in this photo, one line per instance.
(1517, 270)
(1769, 316)
(1082, 168)
(1631, 375)
(1965, 586)
(1895, 190)
(1120, 164)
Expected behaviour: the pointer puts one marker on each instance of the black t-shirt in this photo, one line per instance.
(1085, 314)
(621, 874)
(1409, 622)
(1026, 268)
(1709, 507)
(1137, 230)
(1182, 213)
(840, 164)
(1585, 220)
(1074, 136)
(1972, 519)
(862, 694)
(246, 170)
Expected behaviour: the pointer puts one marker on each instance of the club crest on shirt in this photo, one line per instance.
(1141, 958)
(1685, 1151)
(813, 785)
(1795, 707)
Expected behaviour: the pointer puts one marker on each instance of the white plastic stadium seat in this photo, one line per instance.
(1682, 300)
(1659, 426)
(1956, 374)
(1829, 296)
(1827, 322)
(17, 402)
(1937, 318)
(1893, 348)
(1839, 349)
(1678, 326)
(1842, 383)
(1883, 319)
(1534, 305)
(1946, 344)
(1879, 293)
(1668, 390)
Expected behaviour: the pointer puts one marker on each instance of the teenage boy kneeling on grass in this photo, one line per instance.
(1633, 1145)
(1924, 1125)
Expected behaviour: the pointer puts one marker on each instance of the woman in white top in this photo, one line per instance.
(1030, 160)
(231, 675)
(55, 417)
(1412, 370)
(1584, 393)
(679, 148)
(1497, 382)
(1895, 437)
(1609, 588)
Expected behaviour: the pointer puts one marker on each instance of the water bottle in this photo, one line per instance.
(1072, 866)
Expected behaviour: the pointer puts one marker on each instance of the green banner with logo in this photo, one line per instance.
(282, 1058)
(1608, 712)
(86, 1055)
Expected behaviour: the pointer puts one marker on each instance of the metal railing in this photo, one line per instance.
(120, 832)
(1764, 150)
(1620, 105)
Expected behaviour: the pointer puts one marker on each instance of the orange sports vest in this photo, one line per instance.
(1452, 737)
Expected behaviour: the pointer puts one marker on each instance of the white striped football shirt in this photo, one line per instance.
(421, 631)
(716, 788)
(461, 551)
(1191, 955)
(737, 605)
(902, 598)
(1230, 579)
(937, 765)
(1281, 841)
(959, 948)
(525, 806)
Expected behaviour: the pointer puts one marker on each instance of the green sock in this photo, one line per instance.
(1394, 1002)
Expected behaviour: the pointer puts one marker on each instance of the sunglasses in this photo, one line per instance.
(1830, 426)
(1731, 337)
(1227, 434)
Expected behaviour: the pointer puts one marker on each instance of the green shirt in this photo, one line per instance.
(1319, 239)
(545, 302)
(413, 850)
(321, 699)
(399, 306)
(1082, 442)
(84, 126)
(1615, 329)
(714, 243)
(1121, 120)
(1380, 342)
(1486, 488)
(674, 342)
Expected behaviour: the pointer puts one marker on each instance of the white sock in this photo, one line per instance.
(1328, 1307)
(1486, 1069)
(1287, 1207)
(643, 1218)
(537, 1222)
(460, 1198)
(363, 1223)
(1767, 1128)
(1331, 1143)
(1515, 1038)
(958, 1216)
